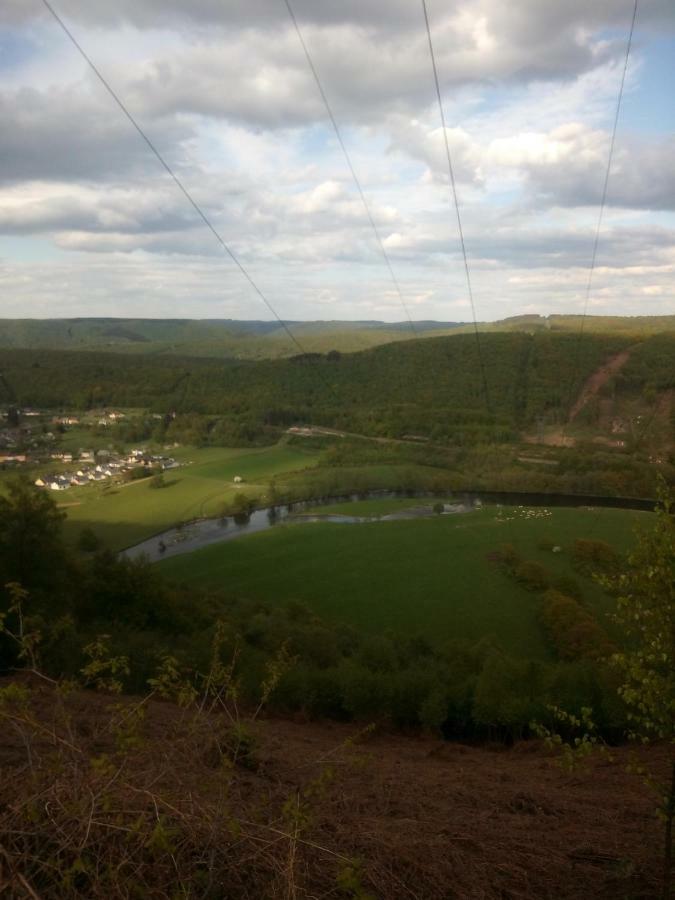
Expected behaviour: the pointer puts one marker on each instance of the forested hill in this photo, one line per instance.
(204, 337)
(427, 387)
(268, 340)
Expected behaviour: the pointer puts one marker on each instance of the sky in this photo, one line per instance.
(92, 225)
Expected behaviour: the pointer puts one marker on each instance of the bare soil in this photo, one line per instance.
(425, 819)
(598, 379)
(557, 437)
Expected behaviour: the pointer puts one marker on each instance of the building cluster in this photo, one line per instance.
(101, 466)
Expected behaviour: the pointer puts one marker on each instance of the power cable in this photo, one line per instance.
(179, 184)
(350, 165)
(603, 200)
(453, 186)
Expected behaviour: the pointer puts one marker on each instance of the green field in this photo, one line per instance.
(122, 515)
(427, 576)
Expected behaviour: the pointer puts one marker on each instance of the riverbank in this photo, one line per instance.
(351, 509)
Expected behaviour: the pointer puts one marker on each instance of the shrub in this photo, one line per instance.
(594, 556)
(572, 630)
(532, 576)
(568, 585)
(87, 542)
(508, 556)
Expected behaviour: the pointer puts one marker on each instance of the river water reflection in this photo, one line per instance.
(203, 532)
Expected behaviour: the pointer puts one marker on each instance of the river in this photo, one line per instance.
(204, 532)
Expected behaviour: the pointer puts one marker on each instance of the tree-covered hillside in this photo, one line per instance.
(431, 388)
(524, 374)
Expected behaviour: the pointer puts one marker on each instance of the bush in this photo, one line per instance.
(508, 556)
(568, 585)
(572, 630)
(87, 542)
(532, 576)
(594, 556)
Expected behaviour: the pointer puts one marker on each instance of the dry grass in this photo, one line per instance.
(102, 797)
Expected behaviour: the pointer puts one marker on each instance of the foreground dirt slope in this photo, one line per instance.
(446, 820)
(312, 811)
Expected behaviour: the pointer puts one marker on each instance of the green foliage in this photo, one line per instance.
(103, 670)
(645, 596)
(438, 391)
(201, 647)
(434, 711)
(508, 692)
(31, 549)
(24, 636)
(350, 881)
(170, 683)
(87, 542)
(582, 741)
(644, 587)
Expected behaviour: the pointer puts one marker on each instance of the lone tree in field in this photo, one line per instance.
(645, 592)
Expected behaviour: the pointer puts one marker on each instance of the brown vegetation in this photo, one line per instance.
(572, 630)
(109, 797)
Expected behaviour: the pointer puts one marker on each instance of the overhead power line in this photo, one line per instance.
(603, 201)
(610, 155)
(179, 184)
(350, 165)
(453, 187)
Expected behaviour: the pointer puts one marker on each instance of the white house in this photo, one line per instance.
(63, 455)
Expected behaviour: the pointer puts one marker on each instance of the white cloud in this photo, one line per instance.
(223, 90)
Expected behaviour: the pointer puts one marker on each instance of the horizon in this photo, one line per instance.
(276, 323)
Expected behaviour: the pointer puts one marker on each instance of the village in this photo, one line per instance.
(30, 439)
(102, 465)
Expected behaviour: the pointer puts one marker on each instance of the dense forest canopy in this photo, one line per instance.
(430, 387)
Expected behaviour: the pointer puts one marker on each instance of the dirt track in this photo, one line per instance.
(598, 379)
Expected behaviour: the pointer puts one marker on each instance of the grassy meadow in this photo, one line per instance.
(124, 514)
(430, 576)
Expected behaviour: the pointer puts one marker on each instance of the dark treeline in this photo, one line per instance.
(585, 469)
(430, 388)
